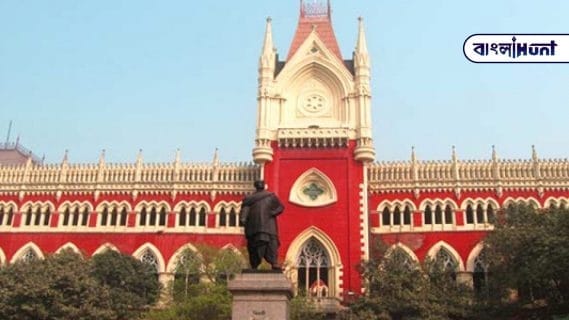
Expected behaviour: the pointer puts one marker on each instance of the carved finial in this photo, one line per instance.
(413, 155)
(494, 154)
(215, 160)
(177, 158)
(533, 152)
(102, 157)
(361, 44)
(454, 153)
(268, 46)
(65, 156)
(139, 157)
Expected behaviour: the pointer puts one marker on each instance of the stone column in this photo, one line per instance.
(465, 278)
(260, 295)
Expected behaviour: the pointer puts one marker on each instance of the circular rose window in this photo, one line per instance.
(314, 104)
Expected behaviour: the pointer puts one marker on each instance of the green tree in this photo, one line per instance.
(397, 287)
(59, 287)
(528, 251)
(132, 285)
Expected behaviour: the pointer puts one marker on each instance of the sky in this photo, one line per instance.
(164, 75)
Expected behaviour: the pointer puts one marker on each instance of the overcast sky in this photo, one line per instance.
(162, 75)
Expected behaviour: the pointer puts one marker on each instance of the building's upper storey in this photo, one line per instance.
(137, 178)
(496, 175)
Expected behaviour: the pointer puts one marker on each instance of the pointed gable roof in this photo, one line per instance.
(315, 15)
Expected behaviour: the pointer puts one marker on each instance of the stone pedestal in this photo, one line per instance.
(260, 295)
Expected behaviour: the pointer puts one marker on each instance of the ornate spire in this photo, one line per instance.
(454, 158)
(177, 158)
(268, 46)
(65, 157)
(215, 161)
(413, 155)
(102, 158)
(139, 157)
(494, 154)
(361, 45)
(533, 153)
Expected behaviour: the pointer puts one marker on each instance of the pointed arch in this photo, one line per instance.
(149, 204)
(441, 202)
(172, 263)
(24, 249)
(405, 248)
(335, 261)
(556, 201)
(315, 181)
(432, 253)
(42, 205)
(112, 204)
(69, 245)
(227, 205)
(9, 205)
(475, 252)
(104, 247)
(521, 200)
(81, 205)
(391, 204)
(476, 201)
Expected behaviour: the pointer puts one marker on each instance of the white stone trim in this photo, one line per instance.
(104, 247)
(364, 217)
(524, 200)
(149, 246)
(472, 256)
(112, 204)
(557, 201)
(313, 175)
(403, 247)
(69, 245)
(476, 201)
(2, 258)
(172, 263)
(30, 245)
(335, 259)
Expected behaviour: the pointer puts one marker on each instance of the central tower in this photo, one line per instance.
(313, 141)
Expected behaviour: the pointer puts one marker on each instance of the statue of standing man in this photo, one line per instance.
(259, 213)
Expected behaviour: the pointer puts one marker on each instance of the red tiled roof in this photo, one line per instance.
(324, 31)
(14, 154)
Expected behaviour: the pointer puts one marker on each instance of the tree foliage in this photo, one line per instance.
(59, 287)
(529, 252)
(400, 288)
(132, 285)
(66, 286)
(200, 285)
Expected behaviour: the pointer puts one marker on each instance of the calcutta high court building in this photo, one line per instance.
(314, 148)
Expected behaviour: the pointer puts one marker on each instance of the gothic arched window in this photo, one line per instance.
(469, 215)
(29, 255)
(386, 217)
(480, 273)
(407, 216)
(313, 264)
(448, 214)
(149, 258)
(428, 215)
(480, 214)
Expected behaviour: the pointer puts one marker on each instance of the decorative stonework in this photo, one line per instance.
(313, 104)
(497, 175)
(313, 189)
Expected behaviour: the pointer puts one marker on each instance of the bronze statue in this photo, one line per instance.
(259, 213)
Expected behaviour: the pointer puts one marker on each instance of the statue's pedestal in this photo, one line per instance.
(260, 295)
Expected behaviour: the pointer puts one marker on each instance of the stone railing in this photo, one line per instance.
(233, 178)
(494, 174)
